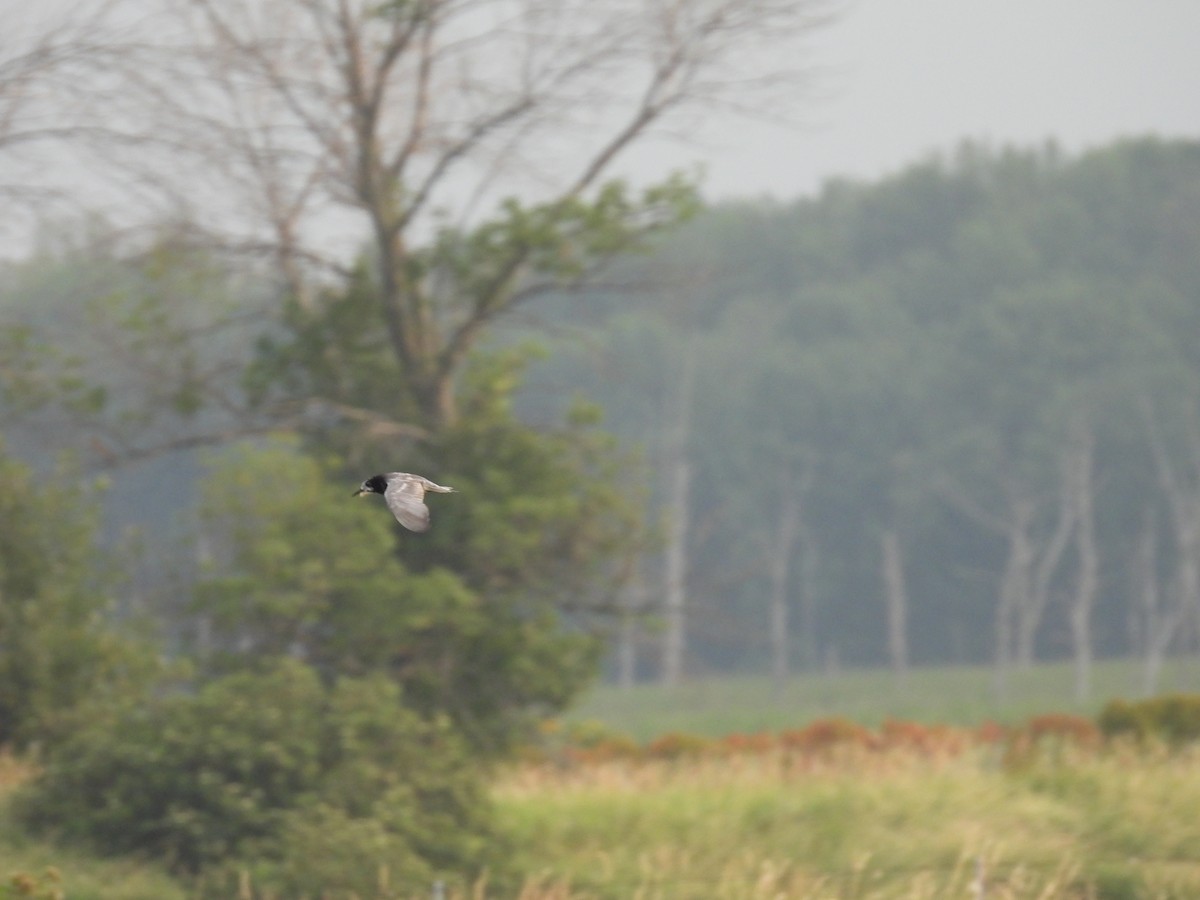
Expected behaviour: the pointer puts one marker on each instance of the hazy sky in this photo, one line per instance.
(904, 78)
(898, 80)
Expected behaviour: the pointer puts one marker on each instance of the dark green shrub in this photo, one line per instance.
(1174, 718)
(1177, 716)
(309, 781)
(1120, 718)
(323, 846)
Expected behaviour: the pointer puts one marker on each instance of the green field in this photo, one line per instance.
(951, 695)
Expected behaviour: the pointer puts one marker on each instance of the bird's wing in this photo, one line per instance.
(404, 499)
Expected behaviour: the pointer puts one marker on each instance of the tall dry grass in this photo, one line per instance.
(833, 810)
(903, 812)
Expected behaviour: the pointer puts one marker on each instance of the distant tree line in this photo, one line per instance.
(952, 416)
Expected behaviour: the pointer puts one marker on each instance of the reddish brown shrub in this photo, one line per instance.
(931, 740)
(991, 732)
(677, 744)
(757, 743)
(825, 734)
(1064, 727)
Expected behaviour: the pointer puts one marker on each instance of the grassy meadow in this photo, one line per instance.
(1064, 822)
(697, 795)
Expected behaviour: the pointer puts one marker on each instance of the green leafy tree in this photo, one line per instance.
(491, 617)
(318, 786)
(61, 655)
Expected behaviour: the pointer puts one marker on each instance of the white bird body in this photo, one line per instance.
(404, 494)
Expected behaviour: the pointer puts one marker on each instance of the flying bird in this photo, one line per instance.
(405, 496)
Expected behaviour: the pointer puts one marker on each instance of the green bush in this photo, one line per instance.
(316, 784)
(62, 659)
(454, 615)
(1174, 718)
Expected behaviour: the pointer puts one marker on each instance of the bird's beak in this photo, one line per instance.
(358, 493)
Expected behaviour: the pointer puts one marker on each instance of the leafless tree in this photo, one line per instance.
(305, 130)
(677, 466)
(633, 610)
(1030, 612)
(311, 133)
(51, 59)
(1081, 455)
(896, 599)
(1030, 566)
(780, 567)
(791, 562)
(1155, 622)
(1180, 489)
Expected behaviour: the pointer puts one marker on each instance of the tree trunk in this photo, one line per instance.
(809, 560)
(1155, 625)
(785, 539)
(1087, 584)
(896, 598)
(1182, 496)
(632, 606)
(675, 600)
(1032, 606)
(679, 472)
(1187, 575)
(1014, 588)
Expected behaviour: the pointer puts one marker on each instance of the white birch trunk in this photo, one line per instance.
(633, 605)
(1087, 584)
(785, 539)
(896, 599)
(1032, 607)
(679, 473)
(1156, 625)
(1183, 501)
(1014, 588)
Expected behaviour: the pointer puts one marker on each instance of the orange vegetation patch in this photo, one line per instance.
(818, 740)
(1064, 727)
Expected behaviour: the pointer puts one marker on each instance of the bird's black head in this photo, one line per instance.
(376, 484)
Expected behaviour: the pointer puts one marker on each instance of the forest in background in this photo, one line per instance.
(949, 417)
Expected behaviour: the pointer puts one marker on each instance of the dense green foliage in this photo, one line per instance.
(489, 618)
(319, 785)
(1174, 718)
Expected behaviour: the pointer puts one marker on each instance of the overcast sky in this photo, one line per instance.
(904, 78)
(898, 80)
